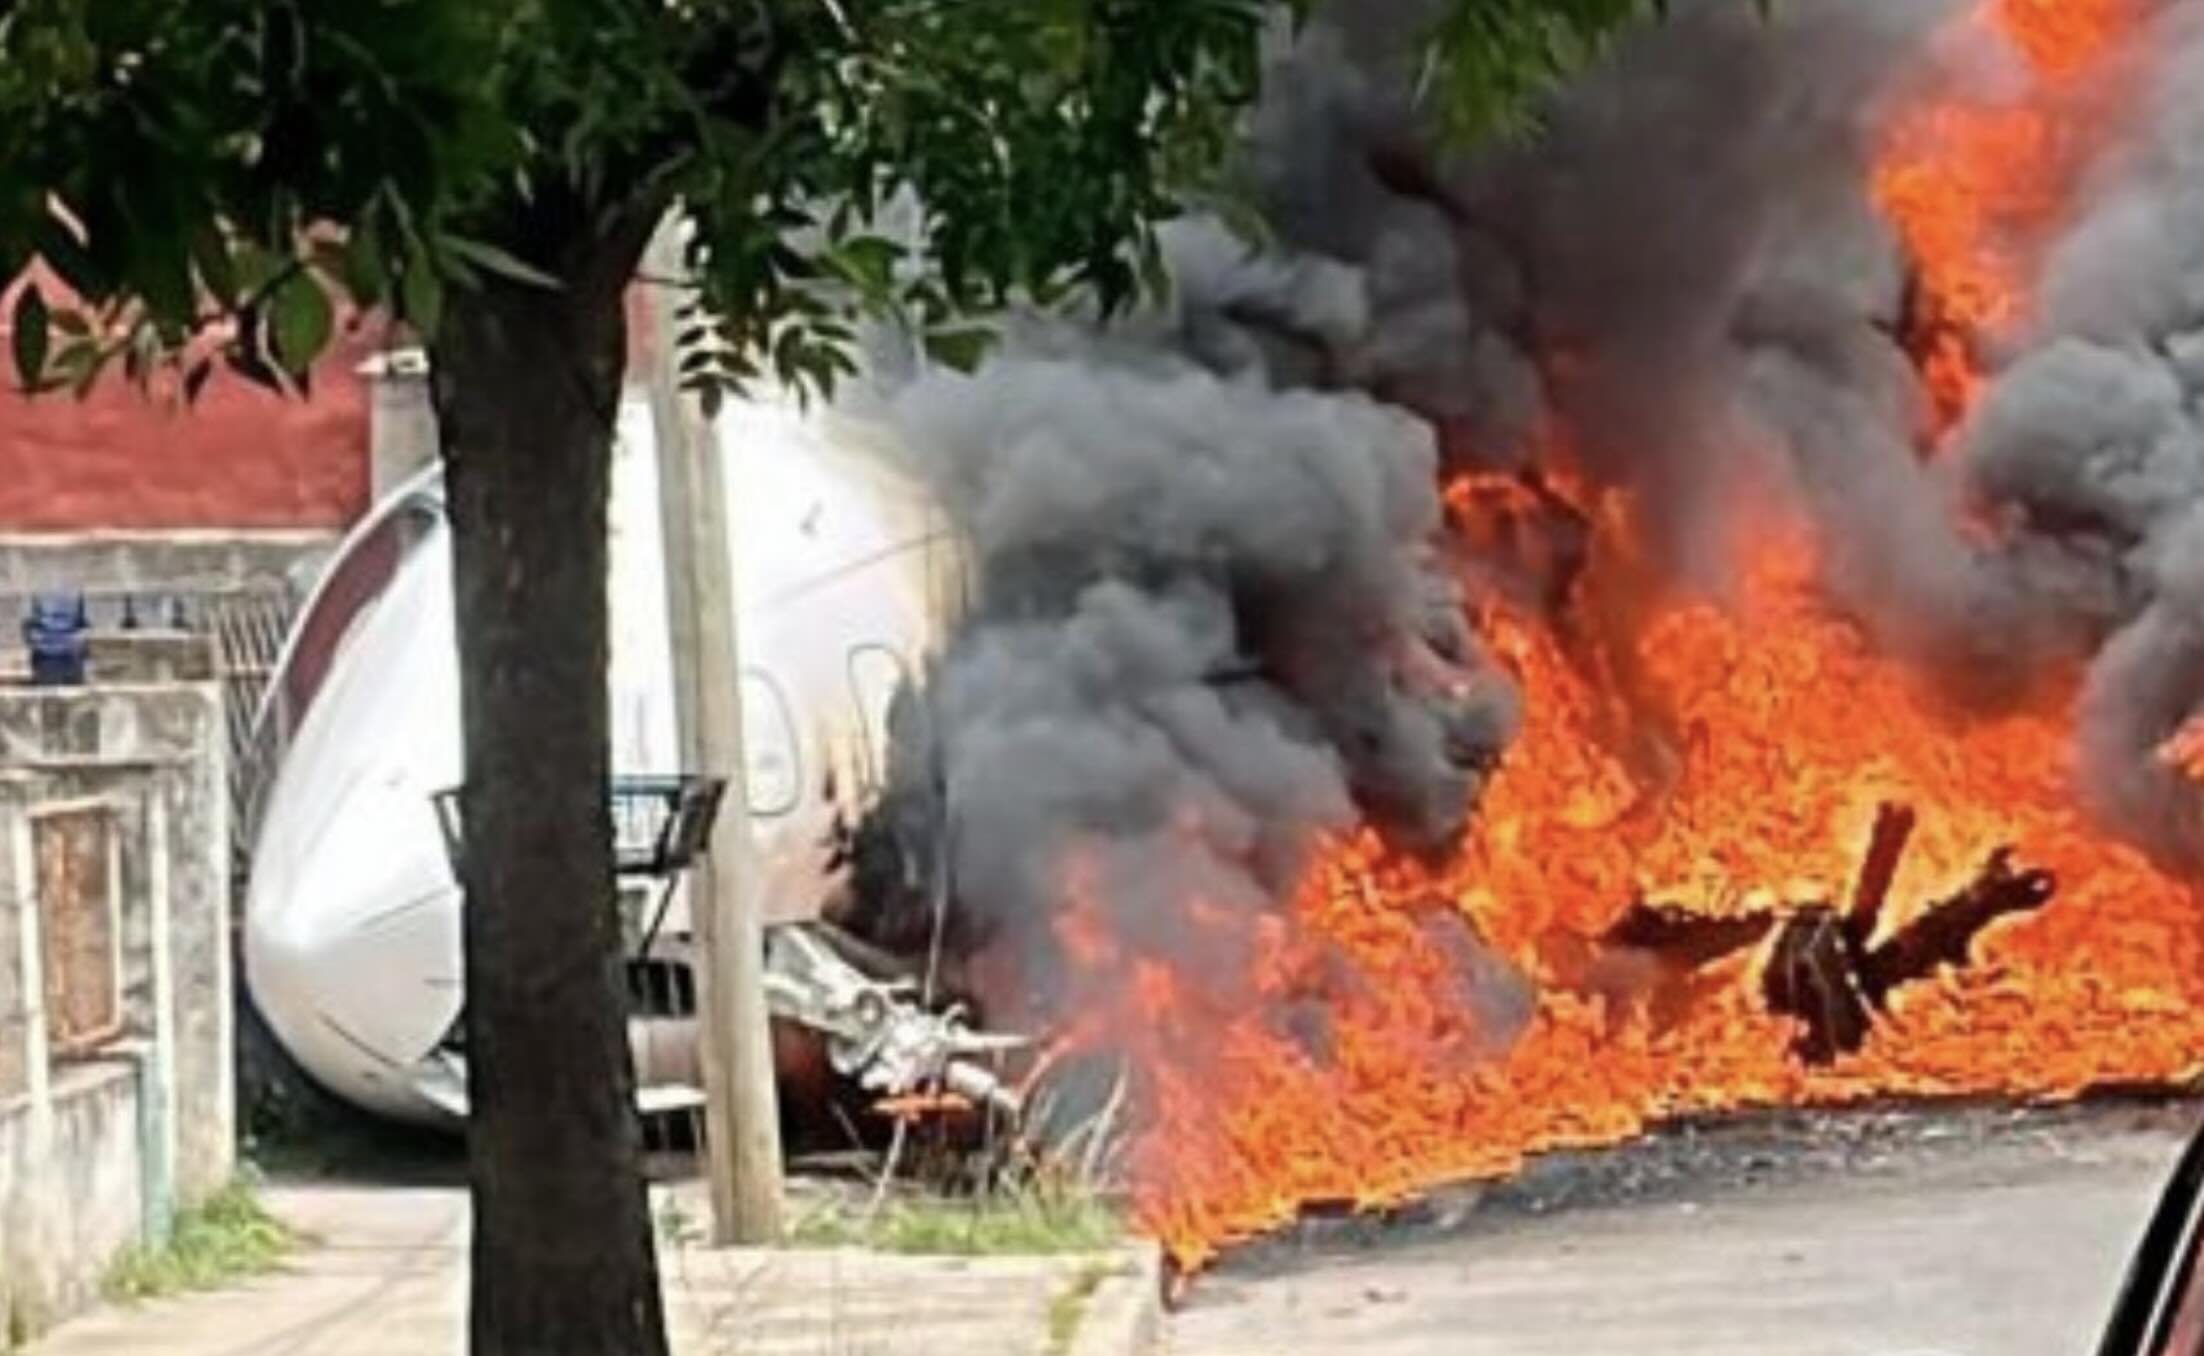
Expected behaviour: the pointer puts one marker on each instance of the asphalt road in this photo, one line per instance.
(2008, 1244)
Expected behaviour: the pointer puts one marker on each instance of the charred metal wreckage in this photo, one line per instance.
(881, 1033)
(1827, 968)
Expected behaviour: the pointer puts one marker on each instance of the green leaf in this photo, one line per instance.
(163, 283)
(363, 272)
(255, 266)
(80, 363)
(299, 321)
(963, 350)
(31, 338)
(67, 257)
(422, 294)
(869, 261)
(211, 252)
(492, 260)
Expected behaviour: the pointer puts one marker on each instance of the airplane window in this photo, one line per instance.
(775, 773)
(876, 674)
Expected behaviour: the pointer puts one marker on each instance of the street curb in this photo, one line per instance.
(1125, 1315)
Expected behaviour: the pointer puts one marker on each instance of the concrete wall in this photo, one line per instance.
(402, 437)
(155, 1106)
(72, 1191)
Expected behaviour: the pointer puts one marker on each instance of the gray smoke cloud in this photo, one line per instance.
(1212, 621)
(2123, 331)
(1684, 269)
(1208, 622)
(2085, 452)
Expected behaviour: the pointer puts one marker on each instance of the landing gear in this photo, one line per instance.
(877, 1031)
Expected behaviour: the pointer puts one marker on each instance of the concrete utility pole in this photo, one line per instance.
(742, 1111)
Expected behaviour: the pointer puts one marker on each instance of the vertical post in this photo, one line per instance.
(31, 1234)
(742, 1113)
(31, 964)
(401, 424)
(157, 1110)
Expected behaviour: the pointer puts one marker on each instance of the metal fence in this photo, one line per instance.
(248, 628)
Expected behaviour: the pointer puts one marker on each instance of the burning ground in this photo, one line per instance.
(1696, 608)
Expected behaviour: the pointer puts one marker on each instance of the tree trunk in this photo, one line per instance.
(527, 382)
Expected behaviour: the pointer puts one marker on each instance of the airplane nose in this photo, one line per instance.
(353, 927)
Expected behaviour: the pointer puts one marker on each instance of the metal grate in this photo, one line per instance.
(249, 628)
(79, 943)
(660, 825)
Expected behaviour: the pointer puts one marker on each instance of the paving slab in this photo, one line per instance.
(385, 1275)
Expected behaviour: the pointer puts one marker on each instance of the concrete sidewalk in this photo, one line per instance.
(386, 1276)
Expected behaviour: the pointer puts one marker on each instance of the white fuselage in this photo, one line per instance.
(846, 576)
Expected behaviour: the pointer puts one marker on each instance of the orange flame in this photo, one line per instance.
(2185, 751)
(1795, 734)
(1973, 184)
(1678, 752)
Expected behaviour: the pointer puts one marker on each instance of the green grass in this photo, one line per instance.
(1069, 1308)
(1033, 1222)
(228, 1238)
(677, 1227)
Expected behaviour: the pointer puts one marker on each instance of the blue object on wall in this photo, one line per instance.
(57, 635)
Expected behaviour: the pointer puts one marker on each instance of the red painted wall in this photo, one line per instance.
(241, 457)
